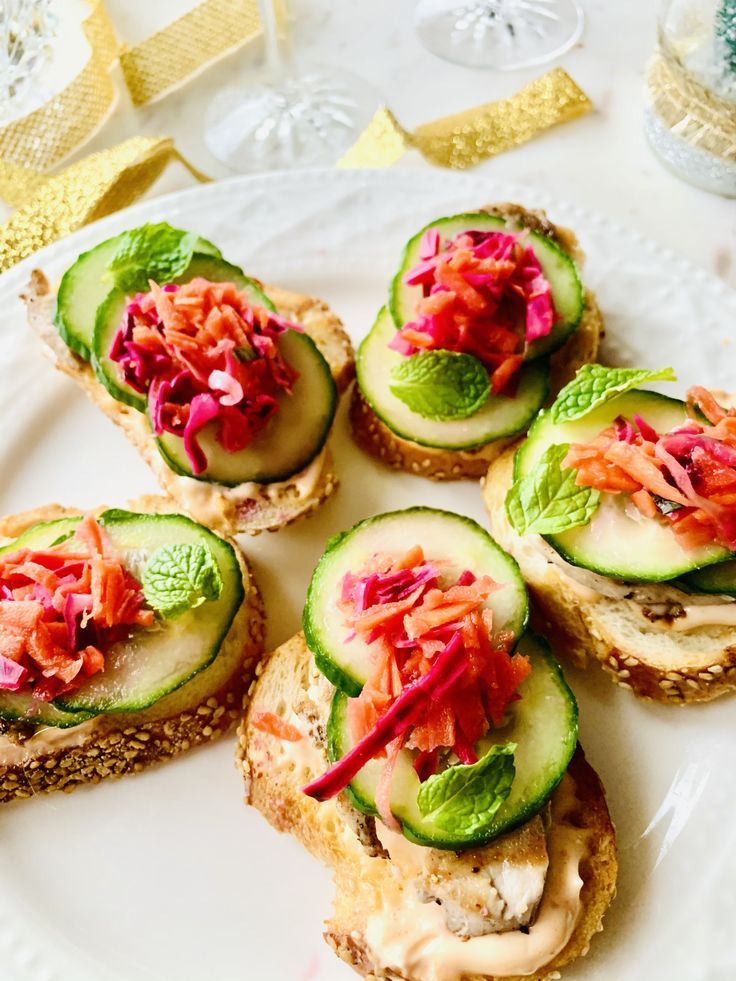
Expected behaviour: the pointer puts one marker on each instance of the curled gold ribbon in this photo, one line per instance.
(179, 50)
(95, 186)
(51, 207)
(185, 47)
(695, 114)
(464, 139)
(44, 137)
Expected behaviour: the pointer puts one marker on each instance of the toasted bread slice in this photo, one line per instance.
(368, 883)
(647, 656)
(376, 438)
(251, 508)
(37, 759)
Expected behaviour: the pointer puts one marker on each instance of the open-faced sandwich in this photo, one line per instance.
(227, 391)
(620, 508)
(486, 316)
(125, 638)
(422, 744)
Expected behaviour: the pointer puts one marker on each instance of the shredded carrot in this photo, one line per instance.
(407, 635)
(645, 502)
(274, 725)
(63, 606)
(693, 467)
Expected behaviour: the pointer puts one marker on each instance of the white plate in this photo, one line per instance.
(166, 876)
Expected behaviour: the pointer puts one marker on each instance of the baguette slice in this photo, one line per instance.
(250, 508)
(367, 882)
(657, 663)
(376, 438)
(111, 745)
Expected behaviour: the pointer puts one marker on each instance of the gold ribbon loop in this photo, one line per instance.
(96, 186)
(381, 143)
(43, 138)
(466, 138)
(187, 45)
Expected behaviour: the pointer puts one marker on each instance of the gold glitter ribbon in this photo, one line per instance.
(53, 206)
(96, 186)
(44, 137)
(688, 109)
(466, 138)
(185, 47)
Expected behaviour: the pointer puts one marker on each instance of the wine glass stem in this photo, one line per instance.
(275, 49)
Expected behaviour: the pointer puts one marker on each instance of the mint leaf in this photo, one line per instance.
(464, 799)
(547, 500)
(441, 384)
(157, 252)
(594, 384)
(181, 577)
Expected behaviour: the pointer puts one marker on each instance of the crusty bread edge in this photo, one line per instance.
(130, 742)
(574, 631)
(271, 792)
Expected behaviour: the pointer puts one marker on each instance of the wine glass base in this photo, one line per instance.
(500, 34)
(295, 118)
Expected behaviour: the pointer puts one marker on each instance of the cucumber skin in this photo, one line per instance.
(74, 345)
(333, 672)
(119, 516)
(520, 817)
(536, 349)
(81, 713)
(79, 347)
(177, 468)
(533, 807)
(32, 533)
(126, 395)
(453, 448)
(70, 339)
(116, 517)
(707, 581)
(57, 718)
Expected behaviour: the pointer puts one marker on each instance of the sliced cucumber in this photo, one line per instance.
(290, 441)
(501, 415)
(111, 311)
(544, 725)
(25, 708)
(152, 663)
(618, 541)
(720, 578)
(443, 535)
(44, 534)
(82, 290)
(558, 268)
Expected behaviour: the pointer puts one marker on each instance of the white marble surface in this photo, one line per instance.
(601, 162)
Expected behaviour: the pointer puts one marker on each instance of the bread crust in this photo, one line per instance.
(273, 785)
(261, 507)
(380, 441)
(116, 744)
(653, 663)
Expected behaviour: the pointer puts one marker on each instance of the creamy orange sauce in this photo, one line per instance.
(44, 740)
(204, 499)
(413, 940)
